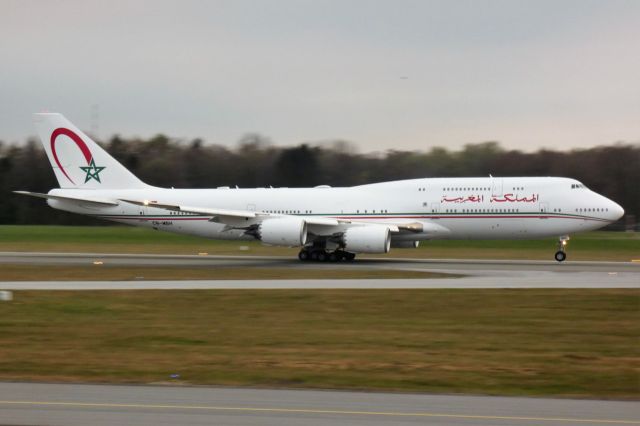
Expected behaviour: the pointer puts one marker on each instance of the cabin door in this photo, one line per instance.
(544, 208)
(496, 187)
(435, 208)
(142, 212)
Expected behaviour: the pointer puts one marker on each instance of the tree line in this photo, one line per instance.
(613, 171)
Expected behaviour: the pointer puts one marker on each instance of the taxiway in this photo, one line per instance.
(73, 404)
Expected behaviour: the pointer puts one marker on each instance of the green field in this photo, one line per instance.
(615, 246)
(571, 343)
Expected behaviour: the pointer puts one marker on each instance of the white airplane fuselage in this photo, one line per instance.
(456, 208)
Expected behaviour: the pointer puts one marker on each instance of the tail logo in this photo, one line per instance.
(92, 171)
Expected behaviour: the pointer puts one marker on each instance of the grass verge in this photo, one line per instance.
(572, 343)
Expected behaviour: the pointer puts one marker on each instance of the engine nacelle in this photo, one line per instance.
(405, 244)
(367, 239)
(285, 231)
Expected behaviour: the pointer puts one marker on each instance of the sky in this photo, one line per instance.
(383, 75)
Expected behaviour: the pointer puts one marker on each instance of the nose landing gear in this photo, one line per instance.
(561, 254)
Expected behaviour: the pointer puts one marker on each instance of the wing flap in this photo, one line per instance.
(322, 221)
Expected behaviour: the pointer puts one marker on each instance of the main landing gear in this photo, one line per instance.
(321, 255)
(561, 254)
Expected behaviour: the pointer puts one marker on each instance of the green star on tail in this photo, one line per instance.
(92, 171)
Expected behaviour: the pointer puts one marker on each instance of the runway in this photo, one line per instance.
(458, 265)
(477, 273)
(525, 281)
(71, 404)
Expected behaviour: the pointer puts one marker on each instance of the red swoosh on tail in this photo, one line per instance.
(79, 142)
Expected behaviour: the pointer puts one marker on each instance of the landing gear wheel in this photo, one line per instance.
(561, 254)
(322, 256)
(313, 255)
(334, 256)
(349, 256)
(303, 255)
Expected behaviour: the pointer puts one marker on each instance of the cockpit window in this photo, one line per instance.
(577, 186)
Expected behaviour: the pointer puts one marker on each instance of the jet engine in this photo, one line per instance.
(367, 239)
(285, 231)
(405, 244)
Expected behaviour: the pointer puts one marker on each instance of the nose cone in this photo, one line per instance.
(615, 211)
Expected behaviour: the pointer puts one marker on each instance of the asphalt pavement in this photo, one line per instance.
(477, 273)
(96, 405)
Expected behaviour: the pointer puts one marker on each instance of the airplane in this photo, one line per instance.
(328, 224)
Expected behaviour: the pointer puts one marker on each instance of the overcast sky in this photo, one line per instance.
(382, 74)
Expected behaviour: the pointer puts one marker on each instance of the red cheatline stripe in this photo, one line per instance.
(167, 218)
(470, 217)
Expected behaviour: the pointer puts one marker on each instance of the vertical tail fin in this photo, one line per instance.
(78, 161)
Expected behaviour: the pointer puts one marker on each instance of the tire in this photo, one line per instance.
(303, 255)
(334, 257)
(349, 256)
(560, 256)
(322, 256)
(313, 256)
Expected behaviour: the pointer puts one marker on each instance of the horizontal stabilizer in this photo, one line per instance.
(98, 202)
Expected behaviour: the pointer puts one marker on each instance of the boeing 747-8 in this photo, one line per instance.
(326, 223)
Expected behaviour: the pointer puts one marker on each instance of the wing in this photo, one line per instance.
(321, 226)
(234, 218)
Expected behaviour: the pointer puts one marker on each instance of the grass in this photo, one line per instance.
(571, 343)
(615, 246)
(12, 272)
